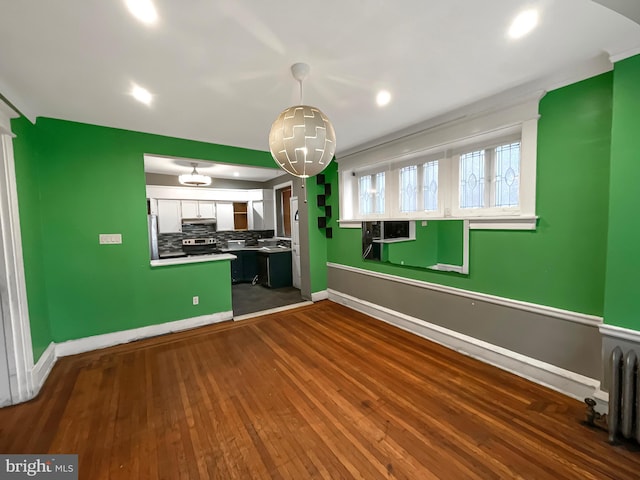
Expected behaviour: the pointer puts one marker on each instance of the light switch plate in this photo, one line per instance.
(110, 238)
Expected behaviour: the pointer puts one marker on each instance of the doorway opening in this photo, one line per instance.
(276, 283)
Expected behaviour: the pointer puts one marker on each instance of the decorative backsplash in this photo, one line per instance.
(172, 242)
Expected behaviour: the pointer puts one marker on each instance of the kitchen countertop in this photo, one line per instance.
(215, 257)
(259, 249)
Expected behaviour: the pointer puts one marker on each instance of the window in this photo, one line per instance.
(490, 177)
(507, 179)
(419, 187)
(430, 186)
(371, 193)
(480, 166)
(409, 189)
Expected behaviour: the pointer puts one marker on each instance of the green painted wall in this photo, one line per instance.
(317, 237)
(76, 181)
(562, 263)
(421, 252)
(27, 164)
(623, 259)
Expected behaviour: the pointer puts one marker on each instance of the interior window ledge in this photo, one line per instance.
(394, 240)
(475, 223)
(350, 223)
(503, 223)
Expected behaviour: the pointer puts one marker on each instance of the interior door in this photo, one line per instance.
(295, 242)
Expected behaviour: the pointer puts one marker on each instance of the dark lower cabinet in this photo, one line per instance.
(249, 265)
(237, 267)
(275, 269)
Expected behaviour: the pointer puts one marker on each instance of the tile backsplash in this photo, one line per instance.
(172, 242)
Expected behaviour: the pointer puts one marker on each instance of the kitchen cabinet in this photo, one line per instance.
(245, 267)
(198, 209)
(169, 216)
(240, 217)
(275, 269)
(224, 219)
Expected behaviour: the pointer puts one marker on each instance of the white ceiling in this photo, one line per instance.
(178, 166)
(219, 70)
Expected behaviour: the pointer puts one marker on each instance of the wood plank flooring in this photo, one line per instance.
(316, 392)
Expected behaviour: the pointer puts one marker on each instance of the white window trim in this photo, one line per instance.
(446, 140)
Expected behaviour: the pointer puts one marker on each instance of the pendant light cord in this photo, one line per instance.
(300, 82)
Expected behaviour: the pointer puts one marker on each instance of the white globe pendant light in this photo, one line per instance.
(302, 140)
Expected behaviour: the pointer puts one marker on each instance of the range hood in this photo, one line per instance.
(199, 221)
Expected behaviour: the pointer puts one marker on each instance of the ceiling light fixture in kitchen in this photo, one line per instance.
(194, 179)
(302, 140)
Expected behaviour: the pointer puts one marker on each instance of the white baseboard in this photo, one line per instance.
(42, 369)
(564, 381)
(247, 316)
(87, 344)
(321, 295)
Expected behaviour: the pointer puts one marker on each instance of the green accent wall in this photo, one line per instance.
(562, 263)
(623, 259)
(317, 236)
(76, 181)
(28, 175)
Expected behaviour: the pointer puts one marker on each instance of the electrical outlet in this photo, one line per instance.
(110, 238)
(196, 300)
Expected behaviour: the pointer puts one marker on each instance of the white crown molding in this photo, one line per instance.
(87, 344)
(564, 381)
(617, 56)
(559, 313)
(620, 332)
(18, 102)
(6, 114)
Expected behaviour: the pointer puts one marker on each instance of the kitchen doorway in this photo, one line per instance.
(256, 297)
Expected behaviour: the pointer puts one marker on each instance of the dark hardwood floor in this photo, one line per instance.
(315, 392)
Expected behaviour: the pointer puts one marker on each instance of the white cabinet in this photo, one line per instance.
(268, 222)
(169, 216)
(224, 218)
(198, 209)
(256, 220)
(207, 209)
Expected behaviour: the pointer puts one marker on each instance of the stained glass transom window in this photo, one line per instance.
(507, 179)
(430, 185)
(472, 180)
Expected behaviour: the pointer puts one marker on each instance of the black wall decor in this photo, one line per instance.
(321, 201)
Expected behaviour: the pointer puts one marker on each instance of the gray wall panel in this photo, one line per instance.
(569, 345)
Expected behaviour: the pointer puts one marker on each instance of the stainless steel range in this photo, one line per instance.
(200, 246)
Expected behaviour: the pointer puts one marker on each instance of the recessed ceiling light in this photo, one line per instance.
(523, 23)
(383, 98)
(141, 94)
(143, 10)
(236, 174)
